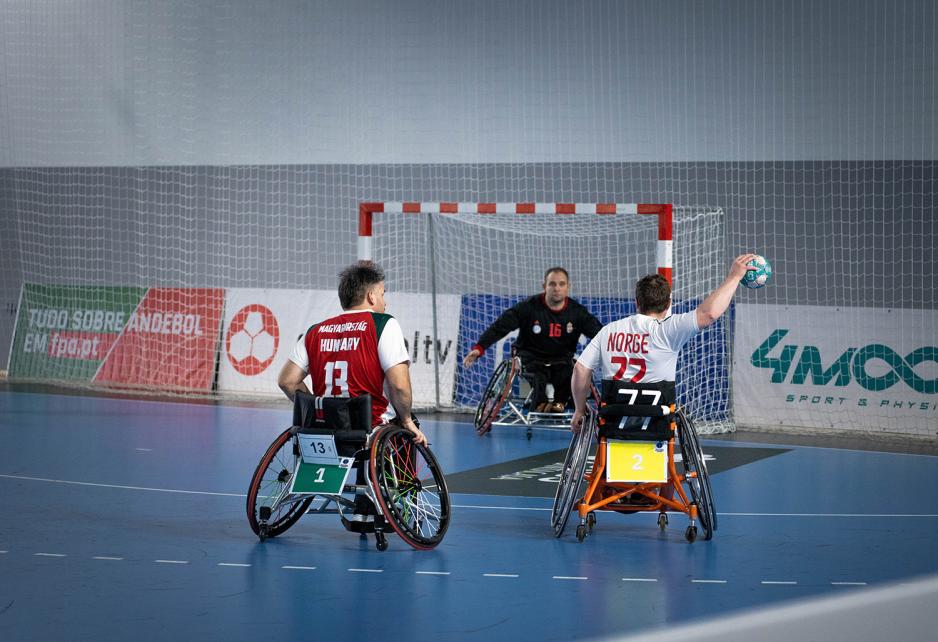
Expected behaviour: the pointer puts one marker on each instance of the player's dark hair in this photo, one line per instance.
(356, 280)
(556, 268)
(652, 294)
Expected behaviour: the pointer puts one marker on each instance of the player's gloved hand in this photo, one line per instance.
(471, 358)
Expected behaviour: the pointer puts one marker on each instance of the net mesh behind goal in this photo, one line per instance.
(470, 267)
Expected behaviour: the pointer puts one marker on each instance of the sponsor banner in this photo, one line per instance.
(261, 328)
(169, 341)
(65, 332)
(823, 367)
(707, 395)
(157, 337)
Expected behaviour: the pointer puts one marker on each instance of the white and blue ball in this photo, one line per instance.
(760, 276)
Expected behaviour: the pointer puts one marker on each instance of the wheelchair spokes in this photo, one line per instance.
(409, 488)
(270, 511)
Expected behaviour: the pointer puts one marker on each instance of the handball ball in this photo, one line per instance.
(760, 276)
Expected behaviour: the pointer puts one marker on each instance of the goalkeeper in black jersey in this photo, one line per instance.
(549, 326)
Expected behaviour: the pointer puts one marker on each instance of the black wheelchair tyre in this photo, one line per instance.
(496, 391)
(571, 475)
(699, 484)
(409, 487)
(272, 475)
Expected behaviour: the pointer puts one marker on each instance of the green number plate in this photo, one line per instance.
(326, 479)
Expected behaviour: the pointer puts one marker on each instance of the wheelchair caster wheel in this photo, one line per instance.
(381, 542)
(590, 522)
(691, 534)
(662, 521)
(262, 532)
(581, 532)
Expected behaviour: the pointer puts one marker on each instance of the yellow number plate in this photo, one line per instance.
(636, 461)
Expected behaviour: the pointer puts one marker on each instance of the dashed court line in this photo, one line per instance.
(441, 573)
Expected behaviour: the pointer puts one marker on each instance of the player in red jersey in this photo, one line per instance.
(360, 351)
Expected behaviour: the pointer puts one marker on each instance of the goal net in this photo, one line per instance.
(468, 262)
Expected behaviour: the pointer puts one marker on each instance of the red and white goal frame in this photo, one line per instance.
(663, 211)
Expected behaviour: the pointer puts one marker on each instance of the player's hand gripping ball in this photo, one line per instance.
(760, 276)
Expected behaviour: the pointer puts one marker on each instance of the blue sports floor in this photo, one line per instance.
(124, 519)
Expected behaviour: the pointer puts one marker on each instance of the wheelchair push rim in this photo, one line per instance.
(409, 487)
(695, 474)
(571, 476)
(496, 392)
(271, 478)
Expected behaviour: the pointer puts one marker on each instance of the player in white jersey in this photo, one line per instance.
(643, 348)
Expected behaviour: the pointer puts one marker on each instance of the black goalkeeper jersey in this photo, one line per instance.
(543, 334)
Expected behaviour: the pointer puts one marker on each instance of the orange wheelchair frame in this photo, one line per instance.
(628, 497)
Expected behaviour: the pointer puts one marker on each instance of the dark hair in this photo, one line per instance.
(556, 268)
(356, 280)
(652, 294)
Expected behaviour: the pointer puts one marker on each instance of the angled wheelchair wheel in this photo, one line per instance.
(267, 516)
(695, 474)
(496, 392)
(409, 487)
(571, 476)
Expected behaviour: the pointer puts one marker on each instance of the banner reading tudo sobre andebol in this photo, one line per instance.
(162, 338)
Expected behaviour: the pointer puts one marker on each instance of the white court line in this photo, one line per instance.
(299, 568)
(475, 506)
(366, 570)
(709, 581)
(779, 583)
(639, 579)
(499, 575)
(49, 554)
(569, 577)
(170, 561)
(234, 564)
(432, 572)
(848, 583)
(2, 552)
(107, 557)
(144, 450)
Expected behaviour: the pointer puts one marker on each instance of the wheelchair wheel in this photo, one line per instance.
(571, 476)
(496, 391)
(409, 487)
(693, 462)
(273, 474)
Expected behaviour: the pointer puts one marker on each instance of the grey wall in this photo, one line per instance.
(222, 82)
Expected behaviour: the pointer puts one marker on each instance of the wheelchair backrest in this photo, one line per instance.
(348, 417)
(638, 411)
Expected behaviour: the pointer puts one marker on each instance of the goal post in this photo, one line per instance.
(453, 267)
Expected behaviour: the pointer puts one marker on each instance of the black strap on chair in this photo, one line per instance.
(347, 418)
(636, 411)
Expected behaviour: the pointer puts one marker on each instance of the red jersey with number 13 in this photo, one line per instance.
(344, 360)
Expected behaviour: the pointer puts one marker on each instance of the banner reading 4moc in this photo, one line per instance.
(125, 336)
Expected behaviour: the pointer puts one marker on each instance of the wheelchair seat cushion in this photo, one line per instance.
(636, 411)
(347, 419)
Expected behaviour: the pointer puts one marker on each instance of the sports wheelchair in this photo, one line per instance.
(399, 485)
(634, 469)
(507, 398)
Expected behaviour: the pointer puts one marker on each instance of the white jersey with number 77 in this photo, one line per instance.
(640, 348)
